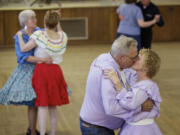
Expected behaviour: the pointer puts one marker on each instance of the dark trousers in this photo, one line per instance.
(146, 39)
(89, 129)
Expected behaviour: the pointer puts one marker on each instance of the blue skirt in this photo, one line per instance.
(18, 89)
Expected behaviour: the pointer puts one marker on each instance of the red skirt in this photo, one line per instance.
(49, 85)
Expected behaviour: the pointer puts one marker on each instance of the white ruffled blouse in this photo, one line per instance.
(47, 47)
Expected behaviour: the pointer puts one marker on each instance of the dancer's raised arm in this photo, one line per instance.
(28, 46)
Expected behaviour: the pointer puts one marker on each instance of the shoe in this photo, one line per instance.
(28, 132)
(38, 133)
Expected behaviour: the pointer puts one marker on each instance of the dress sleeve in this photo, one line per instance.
(39, 38)
(155, 112)
(119, 10)
(21, 56)
(138, 94)
(64, 43)
(139, 15)
(35, 35)
(132, 100)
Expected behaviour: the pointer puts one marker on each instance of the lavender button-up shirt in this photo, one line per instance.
(100, 106)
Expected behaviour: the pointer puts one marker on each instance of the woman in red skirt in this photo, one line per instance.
(48, 80)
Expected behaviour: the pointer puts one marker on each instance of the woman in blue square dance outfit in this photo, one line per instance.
(48, 79)
(140, 123)
(131, 19)
(18, 89)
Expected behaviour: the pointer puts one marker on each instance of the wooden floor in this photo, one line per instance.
(77, 60)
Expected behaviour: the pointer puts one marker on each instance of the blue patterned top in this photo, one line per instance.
(22, 56)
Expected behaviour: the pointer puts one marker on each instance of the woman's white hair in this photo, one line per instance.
(25, 15)
(122, 45)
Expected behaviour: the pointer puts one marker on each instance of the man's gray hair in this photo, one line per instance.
(25, 15)
(122, 45)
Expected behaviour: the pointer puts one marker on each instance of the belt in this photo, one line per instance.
(86, 124)
(142, 122)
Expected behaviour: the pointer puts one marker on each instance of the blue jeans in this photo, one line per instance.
(92, 130)
(136, 37)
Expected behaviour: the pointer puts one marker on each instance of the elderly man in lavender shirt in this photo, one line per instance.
(101, 113)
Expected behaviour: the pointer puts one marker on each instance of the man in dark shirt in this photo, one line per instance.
(149, 10)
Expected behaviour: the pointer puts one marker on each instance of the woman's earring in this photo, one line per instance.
(25, 28)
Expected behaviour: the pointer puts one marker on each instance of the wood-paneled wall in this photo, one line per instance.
(1, 29)
(171, 30)
(102, 24)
